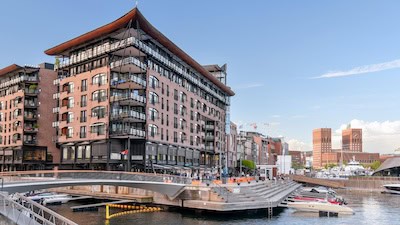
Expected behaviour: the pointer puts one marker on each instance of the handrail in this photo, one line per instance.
(90, 174)
(13, 208)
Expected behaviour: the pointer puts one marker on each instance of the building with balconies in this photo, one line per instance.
(26, 117)
(130, 99)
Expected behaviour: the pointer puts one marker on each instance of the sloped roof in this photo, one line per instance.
(122, 22)
(389, 163)
(9, 69)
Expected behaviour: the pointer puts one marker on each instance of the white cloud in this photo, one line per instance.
(362, 69)
(382, 137)
(297, 145)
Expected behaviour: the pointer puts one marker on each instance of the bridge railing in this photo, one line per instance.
(22, 210)
(90, 174)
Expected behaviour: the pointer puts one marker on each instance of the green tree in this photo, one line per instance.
(375, 165)
(249, 164)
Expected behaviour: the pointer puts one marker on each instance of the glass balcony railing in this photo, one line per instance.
(131, 96)
(129, 131)
(130, 113)
(120, 79)
(128, 60)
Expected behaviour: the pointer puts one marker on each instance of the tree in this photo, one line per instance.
(375, 165)
(249, 164)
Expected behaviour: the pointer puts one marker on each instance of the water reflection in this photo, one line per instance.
(369, 208)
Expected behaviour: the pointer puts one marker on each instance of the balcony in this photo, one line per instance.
(31, 91)
(56, 110)
(210, 127)
(129, 64)
(209, 148)
(130, 81)
(30, 104)
(129, 99)
(31, 129)
(30, 116)
(129, 116)
(31, 79)
(30, 142)
(128, 132)
(209, 137)
(56, 95)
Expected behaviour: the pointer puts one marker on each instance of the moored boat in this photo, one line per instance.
(320, 206)
(392, 188)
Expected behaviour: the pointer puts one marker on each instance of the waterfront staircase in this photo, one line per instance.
(254, 195)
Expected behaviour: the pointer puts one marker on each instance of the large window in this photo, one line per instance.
(99, 79)
(153, 98)
(99, 95)
(153, 82)
(82, 132)
(153, 129)
(99, 112)
(83, 116)
(98, 128)
(153, 113)
(84, 85)
(70, 102)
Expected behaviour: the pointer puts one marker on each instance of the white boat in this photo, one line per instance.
(320, 206)
(42, 196)
(392, 188)
(56, 199)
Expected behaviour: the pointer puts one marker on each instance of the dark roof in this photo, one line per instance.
(122, 22)
(9, 69)
(389, 163)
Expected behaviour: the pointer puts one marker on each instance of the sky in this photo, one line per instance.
(294, 65)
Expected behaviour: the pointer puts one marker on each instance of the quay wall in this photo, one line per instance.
(371, 184)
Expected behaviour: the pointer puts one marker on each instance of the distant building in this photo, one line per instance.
(26, 104)
(352, 140)
(322, 143)
(335, 157)
(231, 150)
(284, 164)
(298, 158)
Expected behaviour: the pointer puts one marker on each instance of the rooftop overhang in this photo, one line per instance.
(9, 69)
(122, 22)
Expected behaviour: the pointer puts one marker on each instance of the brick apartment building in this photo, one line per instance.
(129, 98)
(26, 102)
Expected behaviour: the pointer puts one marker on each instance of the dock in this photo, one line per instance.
(93, 207)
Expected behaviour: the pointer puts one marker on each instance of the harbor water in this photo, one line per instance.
(370, 208)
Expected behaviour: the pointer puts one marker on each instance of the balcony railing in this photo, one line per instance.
(30, 104)
(130, 131)
(128, 78)
(131, 114)
(30, 142)
(209, 127)
(131, 96)
(129, 60)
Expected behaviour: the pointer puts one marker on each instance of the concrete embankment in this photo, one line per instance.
(369, 184)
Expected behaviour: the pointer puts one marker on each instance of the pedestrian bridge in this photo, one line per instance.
(24, 181)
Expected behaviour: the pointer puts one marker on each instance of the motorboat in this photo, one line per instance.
(42, 196)
(320, 206)
(56, 199)
(392, 188)
(311, 199)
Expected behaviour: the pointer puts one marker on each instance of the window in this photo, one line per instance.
(166, 134)
(83, 116)
(182, 110)
(191, 102)
(182, 124)
(167, 120)
(167, 105)
(153, 113)
(176, 97)
(70, 103)
(84, 85)
(98, 128)
(167, 91)
(162, 133)
(175, 136)
(99, 79)
(100, 95)
(175, 108)
(162, 88)
(70, 117)
(183, 97)
(153, 82)
(162, 118)
(175, 122)
(83, 100)
(152, 130)
(99, 112)
(153, 98)
(82, 133)
(70, 132)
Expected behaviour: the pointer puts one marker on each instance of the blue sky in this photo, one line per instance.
(273, 50)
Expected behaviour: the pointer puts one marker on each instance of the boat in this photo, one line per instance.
(42, 196)
(311, 199)
(320, 206)
(56, 199)
(392, 188)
